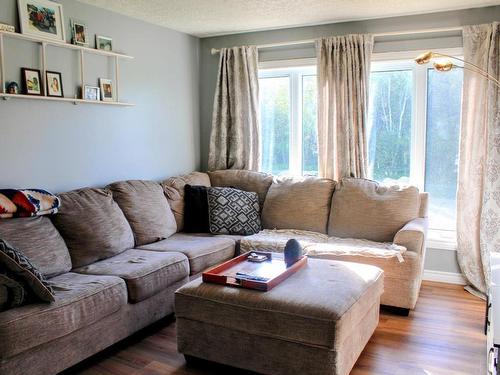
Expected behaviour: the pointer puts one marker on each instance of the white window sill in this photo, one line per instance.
(442, 240)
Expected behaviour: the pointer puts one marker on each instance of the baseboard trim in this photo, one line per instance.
(444, 277)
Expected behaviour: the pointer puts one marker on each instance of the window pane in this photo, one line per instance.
(443, 129)
(309, 129)
(275, 124)
(389, 126)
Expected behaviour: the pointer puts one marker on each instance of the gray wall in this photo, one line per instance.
(59, 146)
(436, 259)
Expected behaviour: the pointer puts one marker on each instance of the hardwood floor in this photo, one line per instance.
(443, 335)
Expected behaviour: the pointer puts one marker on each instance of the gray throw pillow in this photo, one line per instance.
(233, 211)
(19, 268)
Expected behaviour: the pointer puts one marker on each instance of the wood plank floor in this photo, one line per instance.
(443, 335)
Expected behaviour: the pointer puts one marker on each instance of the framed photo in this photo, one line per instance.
(32, 84)
(91, 93)
(106, 89)
(54, 84)
(79, 33)
(41, 18)
(104, 43)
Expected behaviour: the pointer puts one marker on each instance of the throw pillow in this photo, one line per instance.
(233, 211)
(19, 266)
(12, 293)
(196, 209)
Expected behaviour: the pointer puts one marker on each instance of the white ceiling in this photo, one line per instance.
(217, 17)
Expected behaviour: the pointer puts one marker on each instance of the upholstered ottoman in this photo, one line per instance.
(316, 322)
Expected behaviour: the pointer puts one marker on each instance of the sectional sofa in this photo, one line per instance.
(116, 255)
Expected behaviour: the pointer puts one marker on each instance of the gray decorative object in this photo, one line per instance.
(293, 252)
(233, 211)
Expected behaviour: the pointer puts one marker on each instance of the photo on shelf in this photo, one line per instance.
(54, 84)
(32, 84)
(104, 43)
(106, 89)
(91, 93)
(79, 33)
(41, 18)
(12, 88)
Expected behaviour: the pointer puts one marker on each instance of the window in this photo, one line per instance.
(413, 134)
(288, 120)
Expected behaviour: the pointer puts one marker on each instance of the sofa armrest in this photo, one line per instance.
(413, 235)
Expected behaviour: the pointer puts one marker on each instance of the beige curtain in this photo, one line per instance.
(343, 81)
(478, 196)
(234, 141)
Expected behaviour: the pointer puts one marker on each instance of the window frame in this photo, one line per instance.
(293, 68)
(438, 238)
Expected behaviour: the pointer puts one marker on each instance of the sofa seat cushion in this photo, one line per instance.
(146, 273)
(39, 240)
(93, 225)
(81, 300)
(311, 307)
(146, 210)
(298, 203)
(256, 182)
(202, 251)
(174, 191)
(364, 209)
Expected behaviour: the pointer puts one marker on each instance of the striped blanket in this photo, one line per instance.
(27, 202)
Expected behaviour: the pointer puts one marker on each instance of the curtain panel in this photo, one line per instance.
(234, 140)
(343, 82)
(478, 192)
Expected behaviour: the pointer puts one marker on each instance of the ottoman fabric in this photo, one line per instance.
(307, 307)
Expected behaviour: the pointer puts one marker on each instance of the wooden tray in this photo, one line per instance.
(273, 270)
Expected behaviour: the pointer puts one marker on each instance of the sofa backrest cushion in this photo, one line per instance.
(298, 204)
(251, 181)
(174, 191)
(39, 240)
(364, 209)
(93, 225)
(146, 209)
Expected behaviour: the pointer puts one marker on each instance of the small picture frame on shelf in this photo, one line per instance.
(32, 84)
(106, 86)
(41, 18)
(54, 84)
(103, 43)
(91, 93)
(80, 34)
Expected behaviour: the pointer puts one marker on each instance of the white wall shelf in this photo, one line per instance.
(83, 50)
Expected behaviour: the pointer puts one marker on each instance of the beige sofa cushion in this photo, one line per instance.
(146, 209)
(364, 209)
(244, 180)
(39, 240)
(93, 225)
(174, 191)
(146, 273)
(202, 251)
(81, 300)
(298, 204)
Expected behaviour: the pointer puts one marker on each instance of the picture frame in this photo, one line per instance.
(91, 93)
(103, 43)
(31, 82)
(41, 18)
(79, 33)
(54, 85)
(106, 86)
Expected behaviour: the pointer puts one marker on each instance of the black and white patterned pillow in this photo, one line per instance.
(18, 267)
(233, 211)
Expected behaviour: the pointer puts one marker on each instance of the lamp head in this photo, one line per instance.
(424, 58)
(444, 66)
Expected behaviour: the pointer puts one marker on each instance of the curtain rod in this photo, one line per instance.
(215, 51)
